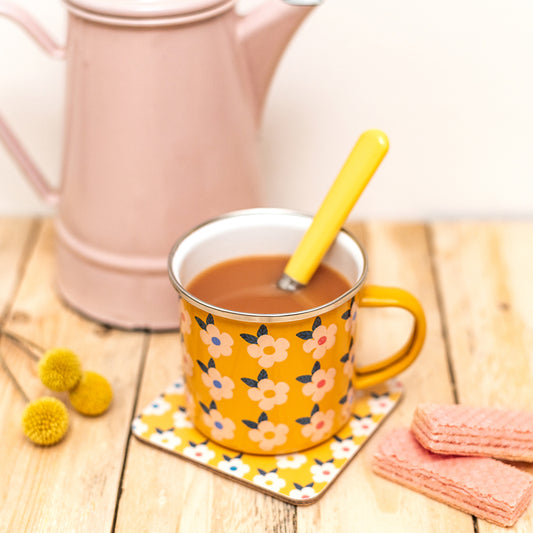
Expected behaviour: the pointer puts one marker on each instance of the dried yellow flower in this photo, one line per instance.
(60, 369)
(45, 421)
(92, 395)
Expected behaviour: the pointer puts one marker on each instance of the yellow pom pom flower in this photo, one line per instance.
(45, 421)
(60, 369)
(92, 395)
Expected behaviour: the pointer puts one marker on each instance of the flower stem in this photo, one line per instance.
(13, 378)
(25, 344)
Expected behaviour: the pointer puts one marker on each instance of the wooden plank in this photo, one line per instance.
(360, 500)
(161, 492)
(486, 280)
(72, 486)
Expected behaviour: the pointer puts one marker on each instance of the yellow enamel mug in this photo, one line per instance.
(277, 383)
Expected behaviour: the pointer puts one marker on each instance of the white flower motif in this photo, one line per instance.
(180, 418)
(270, 481)
(175, 388)
(380, 405)
(362, 426)
(234, 467)
(138, 426)
(343, 449)
(158, 407)
(302, 494)
(200, 453)
(166, 439)
(324, 472)
(292, 460)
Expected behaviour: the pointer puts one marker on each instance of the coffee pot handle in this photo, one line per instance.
(11, 142)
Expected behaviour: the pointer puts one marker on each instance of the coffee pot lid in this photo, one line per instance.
(145, 8)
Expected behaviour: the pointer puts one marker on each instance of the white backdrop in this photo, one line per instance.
(450, 83)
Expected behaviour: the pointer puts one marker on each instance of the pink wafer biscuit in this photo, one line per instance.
(484, 487)
(481, 431)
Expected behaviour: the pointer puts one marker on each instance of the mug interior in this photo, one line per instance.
(258, 232)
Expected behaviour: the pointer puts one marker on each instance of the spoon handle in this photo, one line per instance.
(354, 176)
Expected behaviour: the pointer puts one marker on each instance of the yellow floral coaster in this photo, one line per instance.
(298, 478)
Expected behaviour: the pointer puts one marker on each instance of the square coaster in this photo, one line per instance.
(298, 478)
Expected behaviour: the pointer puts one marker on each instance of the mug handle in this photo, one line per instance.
(376, 296)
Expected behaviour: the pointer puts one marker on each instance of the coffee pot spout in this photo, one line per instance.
(264, 34)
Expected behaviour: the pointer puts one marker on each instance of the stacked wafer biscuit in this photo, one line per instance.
(449, 455)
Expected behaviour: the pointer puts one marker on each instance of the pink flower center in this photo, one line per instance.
(320, 425)
(305, 496)
(322, 340)
(345, 449)
(321, 383)
(326, 472)
(198, 454)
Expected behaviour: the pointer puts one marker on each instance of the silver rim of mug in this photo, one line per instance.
(258, 317)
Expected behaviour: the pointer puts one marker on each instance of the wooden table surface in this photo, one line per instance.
(475, 280)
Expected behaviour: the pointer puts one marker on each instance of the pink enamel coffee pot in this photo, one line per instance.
(163, 104)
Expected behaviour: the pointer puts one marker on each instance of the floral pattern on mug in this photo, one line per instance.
(221, 428)
(266, 433)
(234, 465)
(185, 320)
(190, 406)
(188, 363)
(265, 391)
(265, 348)
(347, 401)
(318, 425)
(323, 472)
(165, 438)
(302, 493)
(319, 339)
(343, 448)
(349, 360)
(318, 382)
(217, 343)
(199, 452)
(219, 386)
(349, 316)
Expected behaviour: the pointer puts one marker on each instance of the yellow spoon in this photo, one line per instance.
(354, 176)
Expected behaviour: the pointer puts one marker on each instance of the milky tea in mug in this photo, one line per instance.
(268, 380)
(248, 284)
